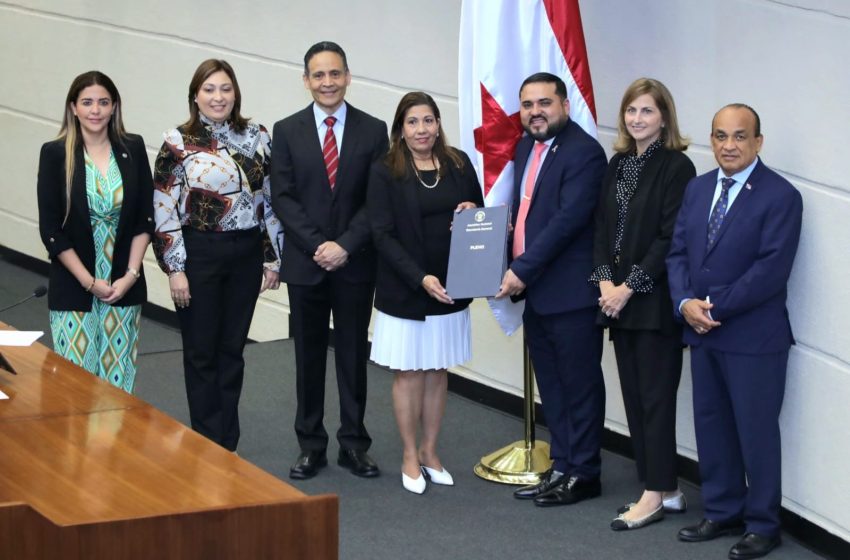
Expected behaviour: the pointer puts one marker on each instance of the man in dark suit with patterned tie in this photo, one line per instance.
(730, 258)
(321, 157)
(558, 171)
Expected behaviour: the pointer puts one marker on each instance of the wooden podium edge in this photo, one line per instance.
(302, 528)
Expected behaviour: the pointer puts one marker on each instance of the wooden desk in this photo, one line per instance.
(89, 472)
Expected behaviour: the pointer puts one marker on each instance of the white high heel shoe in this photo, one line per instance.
(415, 485)
(438, 477)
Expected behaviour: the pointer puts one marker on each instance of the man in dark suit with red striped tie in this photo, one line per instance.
(321, 157)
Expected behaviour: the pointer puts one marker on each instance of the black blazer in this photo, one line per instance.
(311, 213)
(397, 231)
(646, 239)
(65, 292)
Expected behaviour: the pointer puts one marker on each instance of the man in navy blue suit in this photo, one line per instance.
(558, 172)
(731, 255)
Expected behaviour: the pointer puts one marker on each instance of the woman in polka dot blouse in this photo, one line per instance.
(641, 195)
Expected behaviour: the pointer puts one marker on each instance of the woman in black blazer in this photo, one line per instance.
(641, 194)
(95, 219)
(419, 330)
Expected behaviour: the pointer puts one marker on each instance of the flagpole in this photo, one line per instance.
(524, 461)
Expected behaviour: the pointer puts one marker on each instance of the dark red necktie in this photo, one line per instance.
(329, 151)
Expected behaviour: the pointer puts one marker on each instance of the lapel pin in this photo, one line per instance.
(123, 154)
(555, 148)
(749, 187)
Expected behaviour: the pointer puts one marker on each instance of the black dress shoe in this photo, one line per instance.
(358, 462)
(308, 464)
(707, 530)
(570, 491)
(753, 546)
(548, 480)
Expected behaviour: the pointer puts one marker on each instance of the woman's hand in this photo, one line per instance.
(179, 285)
(120, 288)
(101, 290)
(271, 280)
(436, 290)
(465, 206)
(613, 298)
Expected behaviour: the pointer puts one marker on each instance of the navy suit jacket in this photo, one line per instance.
(558, 255)
(746, 271)
(312, 213)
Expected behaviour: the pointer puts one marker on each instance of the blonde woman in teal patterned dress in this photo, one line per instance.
(95, 195)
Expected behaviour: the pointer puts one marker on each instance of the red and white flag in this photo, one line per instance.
(502, 42)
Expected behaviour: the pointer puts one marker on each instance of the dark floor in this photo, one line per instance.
(378, 519)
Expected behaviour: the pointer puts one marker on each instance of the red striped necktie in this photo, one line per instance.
(329, 151)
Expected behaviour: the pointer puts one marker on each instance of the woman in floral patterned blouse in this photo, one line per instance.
(218, 241)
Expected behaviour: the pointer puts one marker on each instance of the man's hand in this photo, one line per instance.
(695, 311)
(511, 285)
(330, 256)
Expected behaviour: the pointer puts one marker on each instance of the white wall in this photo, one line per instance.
(787, 59)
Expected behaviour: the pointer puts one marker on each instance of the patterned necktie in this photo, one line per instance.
(719, 212)
(329, 151)
(525, 201)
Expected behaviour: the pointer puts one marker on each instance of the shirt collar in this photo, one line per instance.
(741, 176)
(340, 114)
(651, 149)
(212, 125)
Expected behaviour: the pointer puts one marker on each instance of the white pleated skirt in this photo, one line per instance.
(438, 342)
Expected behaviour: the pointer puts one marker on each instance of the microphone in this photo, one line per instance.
(37, 293)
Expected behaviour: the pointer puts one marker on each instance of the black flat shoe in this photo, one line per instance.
(570, 491)
(753, 546)
(358, 462)
(707, 530)
(308, 464)
(548, 481)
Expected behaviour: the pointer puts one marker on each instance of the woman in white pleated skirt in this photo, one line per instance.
(420, 331)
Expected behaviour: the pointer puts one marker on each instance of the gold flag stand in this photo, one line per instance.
(522, 462)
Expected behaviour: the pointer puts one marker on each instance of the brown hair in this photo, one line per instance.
(399, 158)
(70, 132)
(206, 69)
(673, 140)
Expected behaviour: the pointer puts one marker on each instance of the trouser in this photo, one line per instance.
(225, 273)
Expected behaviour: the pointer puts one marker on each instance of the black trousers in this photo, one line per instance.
(650, 366)
(311, 308)
(225, 272)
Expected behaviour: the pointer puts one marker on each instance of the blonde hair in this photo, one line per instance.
(673, 140)
(70, 129)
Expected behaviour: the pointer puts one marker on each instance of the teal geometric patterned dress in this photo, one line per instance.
(104, 340)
